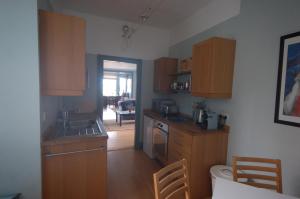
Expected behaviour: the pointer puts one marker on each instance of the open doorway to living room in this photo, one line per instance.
(119, 103)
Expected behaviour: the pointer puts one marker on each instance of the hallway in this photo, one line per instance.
(130, 175)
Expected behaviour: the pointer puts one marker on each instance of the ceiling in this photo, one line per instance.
(166, 13)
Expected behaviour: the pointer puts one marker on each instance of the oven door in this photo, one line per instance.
(160, 145)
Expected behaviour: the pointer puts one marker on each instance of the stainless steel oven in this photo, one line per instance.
(160, 141)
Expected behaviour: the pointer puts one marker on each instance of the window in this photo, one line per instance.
(109, 86)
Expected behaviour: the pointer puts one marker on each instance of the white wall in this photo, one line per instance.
(20, 161)
(214, 13)
(104, 37)
(253, 132)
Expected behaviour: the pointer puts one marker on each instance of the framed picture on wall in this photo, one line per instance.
(287, 110)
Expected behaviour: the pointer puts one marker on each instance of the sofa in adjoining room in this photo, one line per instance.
(125, 110)
(125, 105)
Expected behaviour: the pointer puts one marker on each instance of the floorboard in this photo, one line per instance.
(119, 137)
(130, 175)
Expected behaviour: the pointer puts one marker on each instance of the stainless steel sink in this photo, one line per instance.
(83, 127)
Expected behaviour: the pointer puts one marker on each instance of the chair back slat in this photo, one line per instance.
(175, 186)
(256, 168)
(170, 177)
(178, 193)
(258, 172)
(261, 185)
(172, 180)
(256, 176)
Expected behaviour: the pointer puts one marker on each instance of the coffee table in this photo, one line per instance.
(124, 115)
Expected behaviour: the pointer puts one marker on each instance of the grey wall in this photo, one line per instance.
(50, 105)
(20, 162)
(257, 31)
(87, 102)
(147, 93)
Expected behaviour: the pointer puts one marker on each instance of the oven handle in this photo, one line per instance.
(166, 134)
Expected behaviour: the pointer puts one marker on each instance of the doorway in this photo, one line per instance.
(119, 100)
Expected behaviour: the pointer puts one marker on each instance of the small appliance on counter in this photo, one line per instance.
(164, 106)
(207, 119)
(198, 111)
(210, 120)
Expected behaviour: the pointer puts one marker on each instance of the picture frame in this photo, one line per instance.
(287, 106)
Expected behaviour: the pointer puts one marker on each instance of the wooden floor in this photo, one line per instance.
(119, 137)
(118, 140)
(130, 175)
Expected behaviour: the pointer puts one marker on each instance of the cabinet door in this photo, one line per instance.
(201, 67)
(62, 54)
(179, 146)
(212, 68)
(163, 67)
(80, 175)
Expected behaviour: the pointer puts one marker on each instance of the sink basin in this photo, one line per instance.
(83, 128)
(75, 124)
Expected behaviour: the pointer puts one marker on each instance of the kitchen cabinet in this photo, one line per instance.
(75, 169)
(201, 150)
(163, 69)
(62, 54)
(212, 68)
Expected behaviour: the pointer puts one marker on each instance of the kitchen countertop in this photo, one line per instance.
(187, 126)
(54, 136)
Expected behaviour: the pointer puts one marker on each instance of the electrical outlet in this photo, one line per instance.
(44, 116)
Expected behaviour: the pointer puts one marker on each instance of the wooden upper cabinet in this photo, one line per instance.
(163, 68)
(212, 68)
(62, 54)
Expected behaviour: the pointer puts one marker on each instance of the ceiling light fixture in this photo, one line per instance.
(129, 31)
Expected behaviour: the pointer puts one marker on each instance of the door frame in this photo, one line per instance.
(138, 111)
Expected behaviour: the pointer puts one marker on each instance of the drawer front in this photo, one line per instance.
(175, 155)
(180, 141)
(76, 146)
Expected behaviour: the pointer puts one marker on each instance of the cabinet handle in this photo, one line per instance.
(103, 148)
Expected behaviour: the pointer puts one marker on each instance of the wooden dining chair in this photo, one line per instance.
(258, 172)
(172, 181)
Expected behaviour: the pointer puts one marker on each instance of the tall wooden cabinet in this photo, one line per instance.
(62, 54)
(212, 68)
(201, 150)
(163, 68)
(76, 170)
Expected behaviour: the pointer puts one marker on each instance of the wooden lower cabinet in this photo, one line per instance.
(201, 150)
(76, 171)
